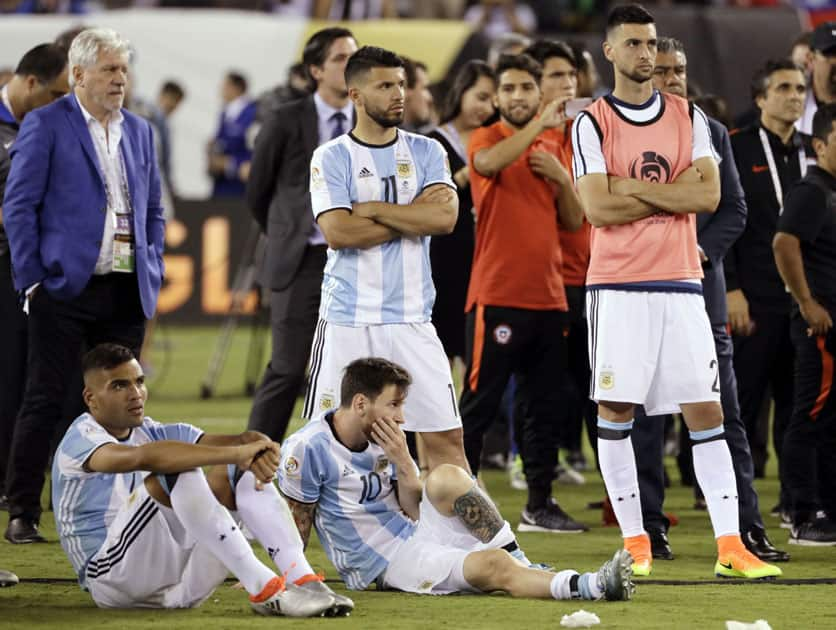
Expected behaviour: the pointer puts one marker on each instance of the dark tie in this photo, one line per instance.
(339, 128)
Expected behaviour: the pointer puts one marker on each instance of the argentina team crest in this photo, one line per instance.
(651, 167)
(404, 168)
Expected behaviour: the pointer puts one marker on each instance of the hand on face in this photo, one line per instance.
(388, 434)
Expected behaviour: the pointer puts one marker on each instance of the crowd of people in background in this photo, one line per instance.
(500, 284)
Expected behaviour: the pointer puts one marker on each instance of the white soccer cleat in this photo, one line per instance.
(289, 600)
(342, 606)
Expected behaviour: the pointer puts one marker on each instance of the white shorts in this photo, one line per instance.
(651, 349)
(431, 405)
(431, 561)
(148, 560)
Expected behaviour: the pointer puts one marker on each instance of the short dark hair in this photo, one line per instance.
(238, 80)
(173, 88)
(760, 82)
(410, 69)
(369, 57)
(369, 377)
(466, 78)
(524, 62)
(823, 121)
(105, 356)
(544, 49)
(667, 45)
(628, 14)
(45, 62)
(319, 44)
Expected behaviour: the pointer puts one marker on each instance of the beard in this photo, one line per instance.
(638, 76)
(518, 119)
(384, 118)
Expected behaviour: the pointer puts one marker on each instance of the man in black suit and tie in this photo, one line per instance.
(716, 233)
(277, 193)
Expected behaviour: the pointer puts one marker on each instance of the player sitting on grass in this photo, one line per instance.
(140, 521)
(350, 471)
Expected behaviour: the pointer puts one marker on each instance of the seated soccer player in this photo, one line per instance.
(348, 471)
(142, 524)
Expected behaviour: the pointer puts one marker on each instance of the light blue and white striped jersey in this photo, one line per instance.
(86, 502)
(358, 518)
(389, 283)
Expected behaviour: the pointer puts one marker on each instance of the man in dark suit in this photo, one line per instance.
(85, 225)
(277, 193)
(716, 233)
(39, 79)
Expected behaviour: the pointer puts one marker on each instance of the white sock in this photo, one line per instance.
(618, 468)
(560, 587)
(715, 474)
(268, 517)
(210, 524)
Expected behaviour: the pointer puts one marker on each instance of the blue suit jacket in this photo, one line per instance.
(717, 232)
(55, 204)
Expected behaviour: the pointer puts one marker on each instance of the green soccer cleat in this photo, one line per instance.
(744, 564)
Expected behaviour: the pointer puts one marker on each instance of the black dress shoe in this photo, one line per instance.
(659, 546)
(22, 531)
(759, 544)
(4, 503)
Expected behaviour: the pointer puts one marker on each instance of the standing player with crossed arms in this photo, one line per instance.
(644, 165)
(378, 193)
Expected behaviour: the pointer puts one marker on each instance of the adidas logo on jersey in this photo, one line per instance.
(364, 172)
(348, 471)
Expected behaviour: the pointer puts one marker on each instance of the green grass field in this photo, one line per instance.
(48, 598)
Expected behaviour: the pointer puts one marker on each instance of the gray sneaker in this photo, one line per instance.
(615, 577)
(294, 601)
(342, 605)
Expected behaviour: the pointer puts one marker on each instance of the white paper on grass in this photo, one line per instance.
(760, 624)
(580, 619)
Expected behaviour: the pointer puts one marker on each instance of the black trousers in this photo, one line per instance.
(12, 361)
(763, 363)
(810, 440)
(577, 407)
(648, 442)
(108, 310)
(294, 312)
(530, 345)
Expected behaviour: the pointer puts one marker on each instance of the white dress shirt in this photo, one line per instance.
(112, 170)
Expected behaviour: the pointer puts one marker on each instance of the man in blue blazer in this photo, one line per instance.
(716, 233)
(85, 226)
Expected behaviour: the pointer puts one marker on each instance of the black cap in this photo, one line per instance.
(824, 37)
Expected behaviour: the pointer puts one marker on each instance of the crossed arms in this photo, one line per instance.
(367, 224)
(611, 200)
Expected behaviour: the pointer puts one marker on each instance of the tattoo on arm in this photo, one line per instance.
(303, 515)
(478, 514)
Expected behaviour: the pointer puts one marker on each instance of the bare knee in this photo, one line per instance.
(616, 411)
(445, 484)
(490, 570)
(702, 416)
